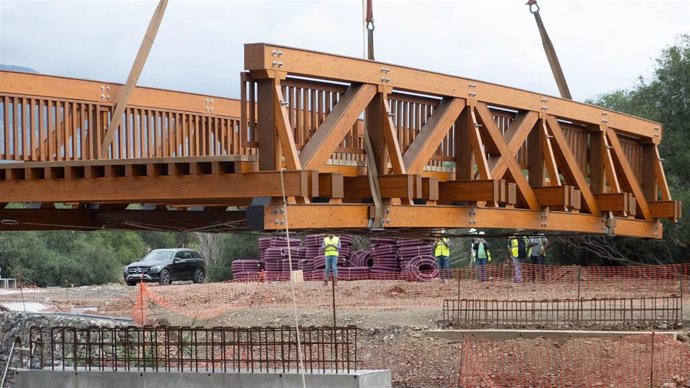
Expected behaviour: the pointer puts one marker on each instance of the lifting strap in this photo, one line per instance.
(372, 171)
(550, 51)
(369, 21)
(135, 71)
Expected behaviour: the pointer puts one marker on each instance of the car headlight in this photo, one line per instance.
(155, 268)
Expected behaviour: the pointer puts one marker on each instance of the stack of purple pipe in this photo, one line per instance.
(245, 269)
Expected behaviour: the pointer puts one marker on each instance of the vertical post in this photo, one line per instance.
(680, 286)
(596, 162)
(458, 283)
(269, 146)
(649, 178)
(141, 302)
(579, 298)
(333, 294)
(535, 158)
(651, 364)
(463, 151)
(578, 282)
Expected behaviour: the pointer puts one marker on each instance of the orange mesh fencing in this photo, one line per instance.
(141, 314)
(631, 361)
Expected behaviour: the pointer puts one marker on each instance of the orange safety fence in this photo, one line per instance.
(651, 360)
(506, 271)
(141, 315)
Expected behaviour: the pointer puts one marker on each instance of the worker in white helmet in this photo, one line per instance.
(442, 254)
(482, 254)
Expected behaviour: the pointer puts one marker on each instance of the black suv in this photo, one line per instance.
(165, 265)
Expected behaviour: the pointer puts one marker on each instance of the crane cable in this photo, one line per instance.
(300, 357)
(550, 51)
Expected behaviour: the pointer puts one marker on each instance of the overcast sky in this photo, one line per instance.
(603, 45)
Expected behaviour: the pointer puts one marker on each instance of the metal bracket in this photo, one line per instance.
(544, 216)
(473, 87)
(209, 105)
(473, 213)
(104, 92)
(609, 221)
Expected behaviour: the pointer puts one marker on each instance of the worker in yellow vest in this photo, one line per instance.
(442, 254)
(480, 248)
(331, 245)
(517, 250)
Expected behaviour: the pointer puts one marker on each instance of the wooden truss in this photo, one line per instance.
(445, 152)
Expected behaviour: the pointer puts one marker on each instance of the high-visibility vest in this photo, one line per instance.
(331, 245)
(442, 248)
(514, 250)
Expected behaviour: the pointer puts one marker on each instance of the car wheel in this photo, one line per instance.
(199, 275)
(165, 278)
(132, 283)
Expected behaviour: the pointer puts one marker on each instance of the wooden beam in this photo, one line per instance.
(401, 216)
(517, 133)
(259, 56)
(629, 182)
(391, 140)
(158, 189)
(331, 185)
(554, 196)
(666, 209)
(596, 162)
(535, 159)
(336, 125)
(549, 158)
(137, 67)
(65, 88)
(478, 148)
(526, 196)
(471, 191)
(613, 202)
(209, 219)
(270, 150)
(648, 181)
(611, 175)
(572, 171)
(661, 176)
(430, 189)
(392, 186)
(284, 128)
(464, 167)
(432, 134)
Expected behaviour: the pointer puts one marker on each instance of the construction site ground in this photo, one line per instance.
(395, 315)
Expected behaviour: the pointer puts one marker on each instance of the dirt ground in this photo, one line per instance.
(394, 315)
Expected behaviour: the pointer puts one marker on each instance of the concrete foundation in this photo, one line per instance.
(41, 378)
(507, 334)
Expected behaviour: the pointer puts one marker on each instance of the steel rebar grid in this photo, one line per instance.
(171, 349)
(625, 313)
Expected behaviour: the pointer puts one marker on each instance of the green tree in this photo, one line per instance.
(68, 258)
(233, 246)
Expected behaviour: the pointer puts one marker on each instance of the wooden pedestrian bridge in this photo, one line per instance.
(350, 143)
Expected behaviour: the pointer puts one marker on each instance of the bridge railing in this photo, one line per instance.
(47, 118)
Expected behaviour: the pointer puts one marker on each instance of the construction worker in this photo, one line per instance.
(331, 245)
(537, 255)
(442, 254)
(473, 233)
(481, 251)
(517, 250)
